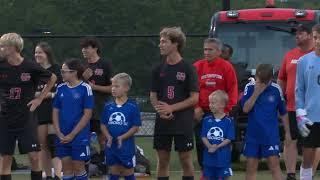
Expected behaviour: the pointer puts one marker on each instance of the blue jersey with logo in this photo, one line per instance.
(71, 102)
(263, 123)
(119, 119)
(216, 131)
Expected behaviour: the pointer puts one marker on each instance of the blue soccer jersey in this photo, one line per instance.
(308, 85)
(263, 124)
(119, 120)
(71, 102)
(216, 131)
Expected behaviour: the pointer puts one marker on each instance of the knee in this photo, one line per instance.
(163, 163)
(34, 158)
(6, 161)
(78, 169)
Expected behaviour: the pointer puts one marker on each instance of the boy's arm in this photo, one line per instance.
(206, 142)
(105, 131)
(258, 89)
(130, 133)
(224, 143)
(100, 88)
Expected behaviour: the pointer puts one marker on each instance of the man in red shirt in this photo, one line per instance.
(287, 80)
(214, 73)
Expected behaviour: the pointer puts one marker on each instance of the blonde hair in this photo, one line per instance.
(12, 39)
(175, 35)
(123, 77)
(220, 94)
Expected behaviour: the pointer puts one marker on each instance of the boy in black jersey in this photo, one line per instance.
(174, 93)
(18, 80)
(98, 75)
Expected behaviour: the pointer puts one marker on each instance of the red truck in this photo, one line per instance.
(260, 35)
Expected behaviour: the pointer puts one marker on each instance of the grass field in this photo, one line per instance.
(175, 173)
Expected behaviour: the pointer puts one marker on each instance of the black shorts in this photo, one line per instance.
(27, 139)
(313, 140)
(95, 126)
(44, 112)
(182, 143)
(293, 125)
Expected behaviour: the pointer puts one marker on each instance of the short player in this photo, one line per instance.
(217, 133)
(174, 93)
(262, 100)
(120, 121)
(72, 110)
(18, 79)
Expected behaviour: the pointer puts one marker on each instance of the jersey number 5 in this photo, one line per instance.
(170, 92)
(15, 93)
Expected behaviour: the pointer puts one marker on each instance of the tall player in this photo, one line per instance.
(287, 80)
(174, 92)
(18, 80)
(307, 104)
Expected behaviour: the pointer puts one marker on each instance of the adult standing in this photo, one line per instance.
(214, 73)
(174, 93)
(287, 81)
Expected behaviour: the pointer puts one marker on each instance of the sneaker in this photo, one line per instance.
(291, 177)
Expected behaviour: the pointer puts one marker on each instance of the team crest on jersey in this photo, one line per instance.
(25, 77)
(98, 72)
(181, 76)
(118, 118)
(215, 133)
(271, 98)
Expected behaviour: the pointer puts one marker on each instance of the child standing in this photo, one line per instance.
(72, 110)
(120, 121)
(217, 133)
(263, 100)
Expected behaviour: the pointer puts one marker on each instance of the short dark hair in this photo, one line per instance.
(302, 28)
(264, 72)
(316, 28)
(229, 47)
(75, 64)
(46, 48)
(91, 41)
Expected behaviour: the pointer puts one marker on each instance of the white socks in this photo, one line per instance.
(305, 174)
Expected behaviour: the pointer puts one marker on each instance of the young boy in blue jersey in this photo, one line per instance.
(72, 110)
(217, 133)
(263, 100)
(120, 121)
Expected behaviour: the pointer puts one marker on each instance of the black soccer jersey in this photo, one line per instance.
(55, 69)
(19, 83)
(173, 84)
(101, 76)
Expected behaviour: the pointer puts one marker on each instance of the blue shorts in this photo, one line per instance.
(216, 172)
(127, 161)
(76, 152)
(260, 150)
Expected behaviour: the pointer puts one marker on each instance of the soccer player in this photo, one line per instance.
(120, 121)
(217, 133)
(18, 81)
(214, 73)
(307, 104)
(44, 56)
(98, 75)
(262, 100)
(287, 80)
(174, 93)
(72, 110)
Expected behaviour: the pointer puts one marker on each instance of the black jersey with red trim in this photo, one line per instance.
(19, 84)
(55, 69)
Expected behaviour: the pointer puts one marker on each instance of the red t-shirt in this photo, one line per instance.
(287, 74)
(217, 74)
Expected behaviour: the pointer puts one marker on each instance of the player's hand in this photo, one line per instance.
(119, 138)
(87, 73)
(163, 108)
(259, 87)
(68, 138)
(60, 135)
(303, 121)
(166, 116)
(198, 114)
(33, 104)
(287, 137)
(109, 141)
(92, 85)
(212, 148)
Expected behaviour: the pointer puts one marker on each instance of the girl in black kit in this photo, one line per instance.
(44, 56)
